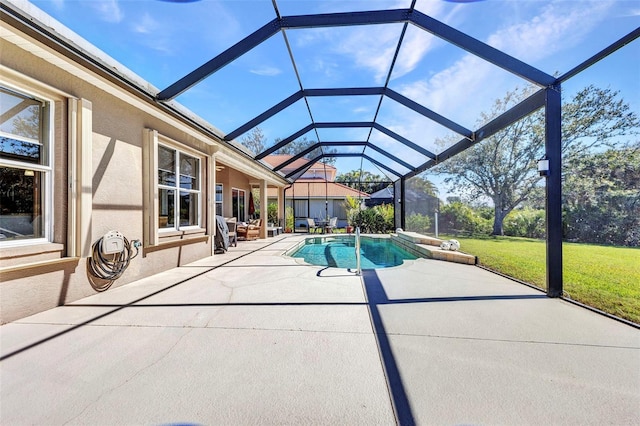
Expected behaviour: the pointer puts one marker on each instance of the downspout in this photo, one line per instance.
(284, 203)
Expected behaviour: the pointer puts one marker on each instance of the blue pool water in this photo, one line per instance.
(339, 252)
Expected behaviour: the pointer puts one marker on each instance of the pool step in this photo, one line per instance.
(429, 247)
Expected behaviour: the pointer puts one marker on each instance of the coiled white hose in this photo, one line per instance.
(109, 267)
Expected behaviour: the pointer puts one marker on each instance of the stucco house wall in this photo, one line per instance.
(103, 177)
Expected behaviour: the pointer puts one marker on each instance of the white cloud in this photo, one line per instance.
(415, 46)
(371, 48)
(146, 25)
(59, 4)
(152, 34)
(375, 52)
(266, 71)
(327, 68)
(560, 26)
(109, 10)
(470, 85)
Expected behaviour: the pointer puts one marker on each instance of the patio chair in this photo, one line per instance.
(250, 231)
(233, 235)
(333, 223)
(311, 224)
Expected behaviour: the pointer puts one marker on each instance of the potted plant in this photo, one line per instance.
(352, 207)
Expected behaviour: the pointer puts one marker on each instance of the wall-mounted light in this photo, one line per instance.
(543, 167)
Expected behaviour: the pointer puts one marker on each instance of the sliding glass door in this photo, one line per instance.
(238, 197)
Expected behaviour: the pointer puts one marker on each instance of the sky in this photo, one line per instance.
(162, 41)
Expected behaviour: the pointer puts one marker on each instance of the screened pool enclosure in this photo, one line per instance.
(397, 88)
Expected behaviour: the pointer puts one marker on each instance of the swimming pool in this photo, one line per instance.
(339, 252)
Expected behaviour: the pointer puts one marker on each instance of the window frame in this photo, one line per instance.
(221, 202)
(47, 141)
(237, 214)
(178, 190)
(153, 234)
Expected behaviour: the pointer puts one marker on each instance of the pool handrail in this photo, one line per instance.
(357, 246)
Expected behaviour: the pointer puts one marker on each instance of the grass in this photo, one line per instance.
(604, 277)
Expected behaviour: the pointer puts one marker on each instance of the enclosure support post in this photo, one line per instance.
(402, 203)
(553, 153)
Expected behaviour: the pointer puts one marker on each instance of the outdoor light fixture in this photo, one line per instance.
(543, 167)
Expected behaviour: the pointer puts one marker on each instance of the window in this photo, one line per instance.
(339, 209)
(301, 208)
(238, 199)
(219, 197)
(174, 204)
(179, 196)
(25, 168)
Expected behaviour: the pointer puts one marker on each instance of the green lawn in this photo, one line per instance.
(607, 278)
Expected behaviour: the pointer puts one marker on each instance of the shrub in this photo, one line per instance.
(272, 213)
(375, 220)
(528, 223)
(417, 222)
(457, 217)
(387, 213)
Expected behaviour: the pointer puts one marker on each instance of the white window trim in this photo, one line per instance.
(48, 170)
(215, 201)
(153, 233)
(178, 189)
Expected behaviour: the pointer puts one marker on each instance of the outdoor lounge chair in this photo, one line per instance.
(312, 225)
(251, 231)
(333, 223)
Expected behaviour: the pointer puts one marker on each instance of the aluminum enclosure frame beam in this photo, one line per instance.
(231, 54)
(351, 91)
(420, 20)
(285, 141)
(619, 44)
(390, 156)
(314, 160)
(313, 147)
(342, 125)
(482, 50)
(304, 167)
(517, 112)
(404, 141)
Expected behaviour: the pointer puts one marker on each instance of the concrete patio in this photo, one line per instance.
(253, 337)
